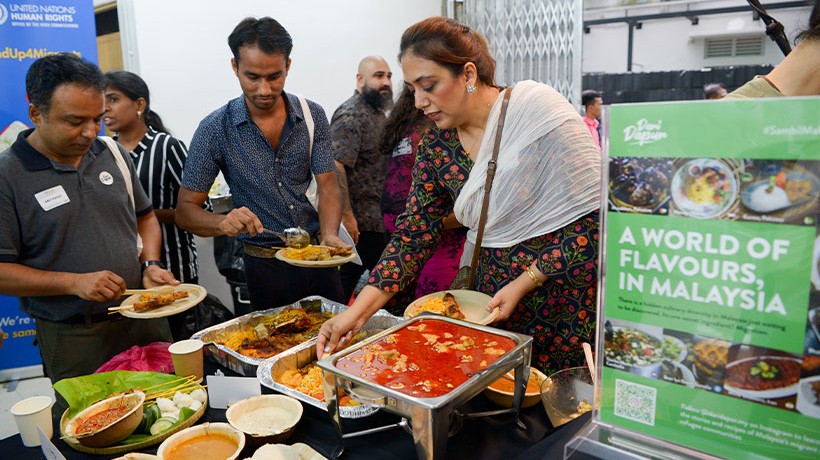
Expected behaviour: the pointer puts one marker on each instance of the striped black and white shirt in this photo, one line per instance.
(159, 160)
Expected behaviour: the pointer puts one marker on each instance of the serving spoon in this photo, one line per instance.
(292, 237)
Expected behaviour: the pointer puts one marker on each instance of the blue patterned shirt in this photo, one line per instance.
(271, 183)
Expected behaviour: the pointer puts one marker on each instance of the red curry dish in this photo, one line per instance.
(426, 359)
(765, 373)
(101, 420)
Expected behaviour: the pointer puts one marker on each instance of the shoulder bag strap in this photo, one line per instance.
(488, 185)
(308, 119)
(126, 173)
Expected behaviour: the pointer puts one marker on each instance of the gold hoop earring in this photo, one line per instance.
(470, 89)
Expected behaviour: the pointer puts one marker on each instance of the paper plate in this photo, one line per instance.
(335, 262)
(471, 303)
(195, 295)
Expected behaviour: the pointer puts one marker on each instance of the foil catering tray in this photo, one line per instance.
(300, 356)
(246, 365)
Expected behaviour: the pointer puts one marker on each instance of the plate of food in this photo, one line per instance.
(808, 396)
(104, 403)
(455, 303)
(704, 188)
(673, 349)
(779, 191)
(316, 256)
(763, 377)
(639, 182)
(634, 351)
(676, 372)
(162, 301)
(709, 358)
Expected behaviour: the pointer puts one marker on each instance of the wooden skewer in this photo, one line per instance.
(157, 290)
(120, 307)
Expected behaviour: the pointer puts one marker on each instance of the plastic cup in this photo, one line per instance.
(31, 413)
(187, 358)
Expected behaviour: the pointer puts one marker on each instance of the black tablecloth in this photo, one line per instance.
(495, 437)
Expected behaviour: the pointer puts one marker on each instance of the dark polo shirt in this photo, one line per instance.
(57, 218)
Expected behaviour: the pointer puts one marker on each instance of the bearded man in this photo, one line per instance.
(355, 129)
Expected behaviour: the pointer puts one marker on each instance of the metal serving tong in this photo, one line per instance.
(292, 237)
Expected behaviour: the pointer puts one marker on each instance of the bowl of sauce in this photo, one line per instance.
(209, 441)
(108, 421)
(502, 390)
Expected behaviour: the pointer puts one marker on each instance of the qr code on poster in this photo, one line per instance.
(635, 402)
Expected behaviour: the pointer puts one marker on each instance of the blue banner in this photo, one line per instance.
(30, 30)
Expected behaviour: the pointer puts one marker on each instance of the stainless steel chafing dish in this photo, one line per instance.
(245, 365)
(429, 417)
(301, 355)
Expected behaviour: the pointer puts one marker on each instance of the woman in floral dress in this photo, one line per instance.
(539, 255)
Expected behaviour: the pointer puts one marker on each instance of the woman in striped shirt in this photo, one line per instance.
(159, 159)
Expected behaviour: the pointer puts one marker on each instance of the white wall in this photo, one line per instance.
(182, 48)
(666, 44)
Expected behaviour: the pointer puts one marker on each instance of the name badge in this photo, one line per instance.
(52, 198)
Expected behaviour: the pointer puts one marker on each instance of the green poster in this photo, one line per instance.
(711, 286)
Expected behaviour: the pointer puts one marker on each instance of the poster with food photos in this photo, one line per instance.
(710, 331)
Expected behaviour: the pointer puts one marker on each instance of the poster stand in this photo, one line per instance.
(598, 440)
(685, 369)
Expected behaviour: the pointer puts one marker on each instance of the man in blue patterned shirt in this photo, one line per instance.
(260, 142)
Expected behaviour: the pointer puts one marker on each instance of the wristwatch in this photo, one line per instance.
(148, 263)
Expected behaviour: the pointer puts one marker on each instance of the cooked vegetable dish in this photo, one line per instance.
(632, 347)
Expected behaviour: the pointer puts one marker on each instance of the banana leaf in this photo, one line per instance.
(81, 392)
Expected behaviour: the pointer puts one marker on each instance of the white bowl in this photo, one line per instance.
(224, 429)
(265, 418)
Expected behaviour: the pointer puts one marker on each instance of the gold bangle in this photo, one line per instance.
(534, 278)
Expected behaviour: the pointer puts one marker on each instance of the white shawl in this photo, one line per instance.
(548, 174)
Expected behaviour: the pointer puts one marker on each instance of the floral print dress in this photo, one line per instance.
(558, 315)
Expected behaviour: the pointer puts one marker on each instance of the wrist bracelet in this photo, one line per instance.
(534, 278)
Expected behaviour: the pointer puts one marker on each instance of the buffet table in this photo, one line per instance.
(482, 438)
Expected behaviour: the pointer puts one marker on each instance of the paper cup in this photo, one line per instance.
(187, 358)
(31, 413)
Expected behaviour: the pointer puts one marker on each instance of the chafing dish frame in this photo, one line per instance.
(429, 417)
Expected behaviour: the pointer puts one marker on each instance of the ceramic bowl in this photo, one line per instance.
(505, 398)
(114, 431)
(165, 450)
(265, 419)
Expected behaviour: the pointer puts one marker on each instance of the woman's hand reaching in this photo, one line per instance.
(338, 330)
(508, 297)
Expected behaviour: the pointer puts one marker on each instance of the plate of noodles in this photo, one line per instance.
(455, 303)
(316, 256)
